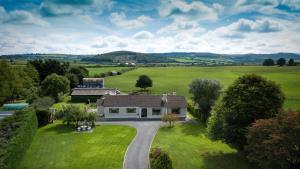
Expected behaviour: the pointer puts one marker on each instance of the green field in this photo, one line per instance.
(58, 147)
(169, 79)
(189, 148)
(98, 70)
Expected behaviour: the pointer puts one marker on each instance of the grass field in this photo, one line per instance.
(98, 70)
(189, 148)
(58, 147)
(169, 79)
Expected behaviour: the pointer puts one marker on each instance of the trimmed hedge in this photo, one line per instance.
(159, 159)
(16, 134)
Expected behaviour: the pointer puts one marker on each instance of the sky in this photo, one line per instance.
(99, 26)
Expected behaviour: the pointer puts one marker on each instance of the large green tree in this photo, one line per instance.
(80, 72)
(268, 62)
(143, 82)
(54, 84)
(281, 62)
(205, 92)
(249, 98)
(275, 143)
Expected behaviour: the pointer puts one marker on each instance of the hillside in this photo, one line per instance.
(172, 57)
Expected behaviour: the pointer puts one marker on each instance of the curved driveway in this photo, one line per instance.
(137, 154)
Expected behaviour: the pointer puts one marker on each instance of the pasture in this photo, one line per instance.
(98, 70)
(169, 79)
(57, 146)
(189, 148)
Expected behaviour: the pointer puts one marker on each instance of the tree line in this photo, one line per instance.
(279, 62)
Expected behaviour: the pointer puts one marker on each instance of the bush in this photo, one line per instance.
(42, 106)
(160, 159)
(16, 134)
(249, 98)
(274, 143)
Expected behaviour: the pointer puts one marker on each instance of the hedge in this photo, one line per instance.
(16, 134)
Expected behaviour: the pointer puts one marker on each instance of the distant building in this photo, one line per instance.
(91, 94)
(141, 106)
(92, 83)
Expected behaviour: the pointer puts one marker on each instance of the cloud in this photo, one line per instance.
(177, 27)
(120, 20)
(261, 26)
(52, 8)
(20, 17)
(189, 11)
(143, 35)
(293, 4)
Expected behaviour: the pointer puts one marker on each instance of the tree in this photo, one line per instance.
(143, 82)
(6, 79)
(32, 73)
(249, 98)
(73, 114)
(74, 82)
(274, 143)
(55, 84)
(268, 62)
(171, 118)
(205, 93)
(291, 62)
(80, 72)
(281, 62)
(48, 67)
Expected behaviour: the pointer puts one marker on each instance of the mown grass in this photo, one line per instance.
(189, 148)
(57, 146)
(98, 70)
(169, 79)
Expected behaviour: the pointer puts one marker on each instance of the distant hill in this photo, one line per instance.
(172, 57)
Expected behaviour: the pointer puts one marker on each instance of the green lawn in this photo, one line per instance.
(99, 70)
(189, 148)
(169, 79)
(58, 147)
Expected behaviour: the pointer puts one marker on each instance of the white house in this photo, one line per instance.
(141, 106)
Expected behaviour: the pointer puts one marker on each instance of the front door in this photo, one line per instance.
(144, 112)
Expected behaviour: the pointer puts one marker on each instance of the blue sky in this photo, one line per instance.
(98, 26)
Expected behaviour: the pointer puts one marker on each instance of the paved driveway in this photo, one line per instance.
(137, 155)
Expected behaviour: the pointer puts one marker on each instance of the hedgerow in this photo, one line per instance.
(16, 134)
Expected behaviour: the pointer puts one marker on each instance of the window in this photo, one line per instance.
(156, 112)
(131, 110)
(114, 110)
(176, 111)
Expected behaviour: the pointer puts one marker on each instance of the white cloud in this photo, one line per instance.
(189, 11)
(262, 26)
(143, 35)
(67, 7)
(177, 27)
(20, 17)
(293, 4)
(120, 20)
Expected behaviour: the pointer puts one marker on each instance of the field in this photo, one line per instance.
(189, 148)
(58, 147)
(98, 70)
(169, 79)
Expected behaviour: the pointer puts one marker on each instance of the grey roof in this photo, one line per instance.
(92, 91)
(142, 101)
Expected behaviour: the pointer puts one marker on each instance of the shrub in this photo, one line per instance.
(160, 159)
(249, 98)
(275, 143)
(171, 118)
(16, 134)
(41, 107)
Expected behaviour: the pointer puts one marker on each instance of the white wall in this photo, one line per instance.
(123, 112)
